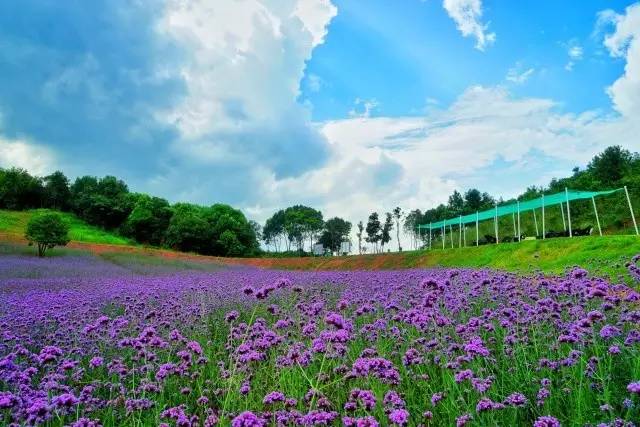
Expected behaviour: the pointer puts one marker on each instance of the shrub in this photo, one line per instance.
(47, 230)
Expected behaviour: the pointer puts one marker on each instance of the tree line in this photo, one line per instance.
(289, 230)
(615, 167)
(107, 202)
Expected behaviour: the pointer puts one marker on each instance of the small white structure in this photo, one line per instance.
(345, 248)
(318, 249)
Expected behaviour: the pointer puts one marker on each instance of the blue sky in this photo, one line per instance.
(401, 53)
(348, 106)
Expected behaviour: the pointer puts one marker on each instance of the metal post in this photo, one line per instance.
(451, 233)
(513, 218)
(464, 236)
(460, 232)
(566, 192)
(595, 210)
(477, 231)
(496, 223)
(564, 224)
(443, 235)
(535, 221)
(633, 217)
(543, 230)
(430, 234)
(519, 231)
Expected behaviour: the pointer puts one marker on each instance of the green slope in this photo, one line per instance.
(15, 222)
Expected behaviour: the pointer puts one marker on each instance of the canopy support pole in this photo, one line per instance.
(451, 233)
(595, 210)
(513, 218)
(519, 233)
(543, 230)
(566, 192)
(464, 236)
(477, 231)
(443, 233)
(535, 221)
(496, 223)
(564, 224)
(460, 232)
(430, 234)
(633, 217)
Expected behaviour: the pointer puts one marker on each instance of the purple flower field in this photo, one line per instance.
(84, 342)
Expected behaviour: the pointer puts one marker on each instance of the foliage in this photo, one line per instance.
(359, 236)
(56, 191)
(47, 230)
(336, 231)
(293, 225)
(373, 229)
(385, 233)
(19, 190)
(149, 220)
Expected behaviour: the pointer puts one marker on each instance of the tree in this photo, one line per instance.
(19, 190)
(610, 166)
(104, 202)
(56, 191)
(222, 218)
(472, 200)
(385, 236)
(47, 230)
(373, 230)
(411, 221)
(273, 230)
(188, 231)
(456, 203)
(149, 220)
(397, 214)
(336, 231)
(359, 235)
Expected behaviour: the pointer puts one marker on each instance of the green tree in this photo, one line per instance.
(221, 218)
(359, 235)
(397, 214)
(19, 190)
(273, 230)
(610, 166)
(472, 200)
(373, 230)
(104, 202)
(56, 191)
(456, 203)
(47, 230)
(149, 220)
(385, 235)
(188, 231)
(336, 231)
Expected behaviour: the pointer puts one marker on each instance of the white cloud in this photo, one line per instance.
(36, 159)
(416, 162)
(517, 75)
(624, 42)
(575, 53)
(244, 63)
(467, 15)
(363, 107)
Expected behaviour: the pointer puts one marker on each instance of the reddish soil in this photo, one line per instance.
(361, 262)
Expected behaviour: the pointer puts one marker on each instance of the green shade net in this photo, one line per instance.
(529, 205)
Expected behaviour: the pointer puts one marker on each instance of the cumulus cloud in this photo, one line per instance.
(624, 42)
(467, 14)
(243, 67)
(36, 159)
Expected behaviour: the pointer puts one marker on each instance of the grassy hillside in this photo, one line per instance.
(14, 223)
(604, 256)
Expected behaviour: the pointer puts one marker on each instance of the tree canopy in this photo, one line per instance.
(47, 230)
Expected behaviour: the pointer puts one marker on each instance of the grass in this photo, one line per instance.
(605, 256)
(15, 223)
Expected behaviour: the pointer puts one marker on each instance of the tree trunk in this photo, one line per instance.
(41, 249)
